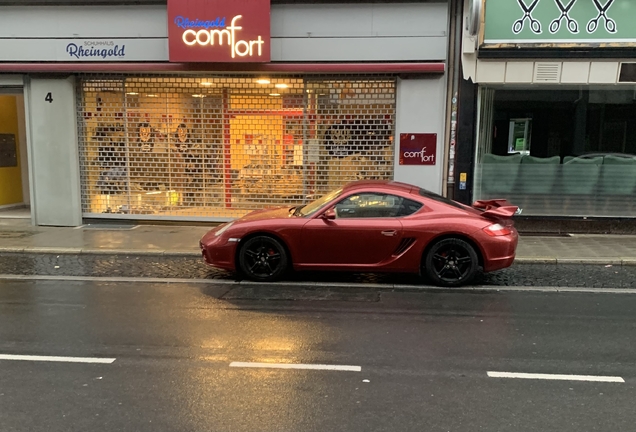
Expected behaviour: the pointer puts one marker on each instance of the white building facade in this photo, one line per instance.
(110, 126)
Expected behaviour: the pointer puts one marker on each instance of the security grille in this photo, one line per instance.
(220, 146)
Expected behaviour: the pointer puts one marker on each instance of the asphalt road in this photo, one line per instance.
(424, 359)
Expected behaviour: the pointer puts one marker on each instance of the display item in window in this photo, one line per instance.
(146, 137)
(111, 157)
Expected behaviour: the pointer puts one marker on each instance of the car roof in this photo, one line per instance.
(395, 186)
(385, 184)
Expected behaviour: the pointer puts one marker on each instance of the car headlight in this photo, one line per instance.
(223, 229)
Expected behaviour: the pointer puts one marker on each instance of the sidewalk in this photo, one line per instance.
(17, 235)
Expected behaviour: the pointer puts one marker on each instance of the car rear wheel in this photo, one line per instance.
(263, 259)
(451, 262)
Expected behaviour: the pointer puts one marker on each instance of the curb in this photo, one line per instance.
(78, 251)
(614, 261)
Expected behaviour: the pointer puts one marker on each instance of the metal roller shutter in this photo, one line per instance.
(216, 147)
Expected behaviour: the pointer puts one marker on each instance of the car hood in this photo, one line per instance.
(268, 213)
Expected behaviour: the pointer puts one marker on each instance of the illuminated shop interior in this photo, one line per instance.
(183, 147)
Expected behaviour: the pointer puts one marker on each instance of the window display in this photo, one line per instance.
(206, 147)
(559, 152)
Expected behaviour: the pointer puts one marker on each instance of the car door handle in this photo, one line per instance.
(389, 233)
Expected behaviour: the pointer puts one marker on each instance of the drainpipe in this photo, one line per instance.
(455, 31)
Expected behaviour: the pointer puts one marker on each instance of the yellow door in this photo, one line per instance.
(10, 176)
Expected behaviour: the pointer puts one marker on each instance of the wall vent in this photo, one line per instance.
(547, 72)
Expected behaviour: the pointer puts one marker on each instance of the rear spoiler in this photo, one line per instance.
(497, 208)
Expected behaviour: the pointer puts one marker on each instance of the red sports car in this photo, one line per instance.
(369, 226)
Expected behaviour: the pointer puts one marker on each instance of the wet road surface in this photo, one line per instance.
(423, 359)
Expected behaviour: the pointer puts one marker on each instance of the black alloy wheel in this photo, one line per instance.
(263, 259)
(451, 262)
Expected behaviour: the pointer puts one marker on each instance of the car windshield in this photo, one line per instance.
(316, 205)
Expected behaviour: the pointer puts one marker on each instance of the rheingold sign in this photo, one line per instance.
(219, 31)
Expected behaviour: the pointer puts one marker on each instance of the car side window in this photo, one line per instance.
(408, 207)
(375, 205)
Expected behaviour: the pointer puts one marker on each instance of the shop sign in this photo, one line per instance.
(219, 31)
(418, 148)
(568, 23)
(96, 50)
(84, 50)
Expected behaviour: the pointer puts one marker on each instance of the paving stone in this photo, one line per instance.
(520, 274)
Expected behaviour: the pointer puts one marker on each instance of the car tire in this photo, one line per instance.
(451, 262)
(263, 259)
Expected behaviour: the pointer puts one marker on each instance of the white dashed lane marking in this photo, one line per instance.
(56, 359)
(556, 377)
(296, 366)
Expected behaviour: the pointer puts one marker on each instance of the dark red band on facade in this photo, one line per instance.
(433, 68)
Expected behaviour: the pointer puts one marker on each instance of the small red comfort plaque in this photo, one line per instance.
(418, 148)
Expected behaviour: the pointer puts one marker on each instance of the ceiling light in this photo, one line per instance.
(132, 93)
(274, 94)
(206, 83)
(263, 81)
(152, 95)
(281, 86)
(198, 95)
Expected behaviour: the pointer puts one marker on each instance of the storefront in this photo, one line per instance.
(225, 109)
(555, 101)
(222, 145)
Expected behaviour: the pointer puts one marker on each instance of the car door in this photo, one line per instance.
(364, 232)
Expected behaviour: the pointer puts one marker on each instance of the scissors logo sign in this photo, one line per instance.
(535, 25)
(571, 23)
(610, 24)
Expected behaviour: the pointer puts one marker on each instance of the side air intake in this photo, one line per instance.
(405, 243)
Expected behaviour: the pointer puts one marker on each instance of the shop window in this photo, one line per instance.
(220, 146)
(559, 152)
(627, 73)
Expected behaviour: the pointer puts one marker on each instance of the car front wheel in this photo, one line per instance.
(262, 259)
(451, 262)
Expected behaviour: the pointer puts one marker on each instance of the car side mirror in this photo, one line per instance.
(329, 214)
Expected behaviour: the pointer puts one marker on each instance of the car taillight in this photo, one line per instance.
(497, 230)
